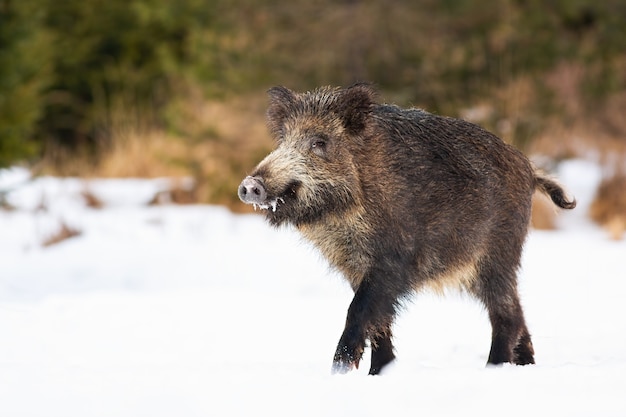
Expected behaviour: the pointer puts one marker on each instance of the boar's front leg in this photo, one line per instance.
(382, 352)
(369, 317)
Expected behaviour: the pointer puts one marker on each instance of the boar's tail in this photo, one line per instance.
(554, 190)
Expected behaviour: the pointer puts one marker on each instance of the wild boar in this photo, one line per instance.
(399, 200)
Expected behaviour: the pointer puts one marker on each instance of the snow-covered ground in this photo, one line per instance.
(193, 311)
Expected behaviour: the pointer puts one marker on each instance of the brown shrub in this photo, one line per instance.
(609, 204)
(543, 213)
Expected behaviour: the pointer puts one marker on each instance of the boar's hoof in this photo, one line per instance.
(252, 191)
(346, 359)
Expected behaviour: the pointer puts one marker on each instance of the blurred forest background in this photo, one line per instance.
(155, 87)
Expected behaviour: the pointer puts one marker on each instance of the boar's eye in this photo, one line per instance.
(319, 145)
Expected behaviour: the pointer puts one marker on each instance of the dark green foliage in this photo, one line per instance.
(23, 75)
(114, 53)
(71, 69)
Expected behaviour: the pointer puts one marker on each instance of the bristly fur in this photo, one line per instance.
(398, 200)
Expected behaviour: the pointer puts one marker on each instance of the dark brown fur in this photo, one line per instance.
(398, 200)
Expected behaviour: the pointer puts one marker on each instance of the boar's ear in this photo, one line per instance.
(280, 101)
(355, 106)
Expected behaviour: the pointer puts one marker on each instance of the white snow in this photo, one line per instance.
(193, 311)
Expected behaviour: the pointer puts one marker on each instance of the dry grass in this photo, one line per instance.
(143, 155)
(216, 168)
(581, 129)
(180, 192)
(226, 140)
(212, 142)
(65, 232)
(91, 200)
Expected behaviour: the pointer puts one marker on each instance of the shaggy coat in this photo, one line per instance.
(398, 200)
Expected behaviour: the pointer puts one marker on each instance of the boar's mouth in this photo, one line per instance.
(286, 196)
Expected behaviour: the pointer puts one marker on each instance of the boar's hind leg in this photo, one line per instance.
(510, 340)
(369, 316)
(524, 352)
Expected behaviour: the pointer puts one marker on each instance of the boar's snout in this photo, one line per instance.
(252, 191)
